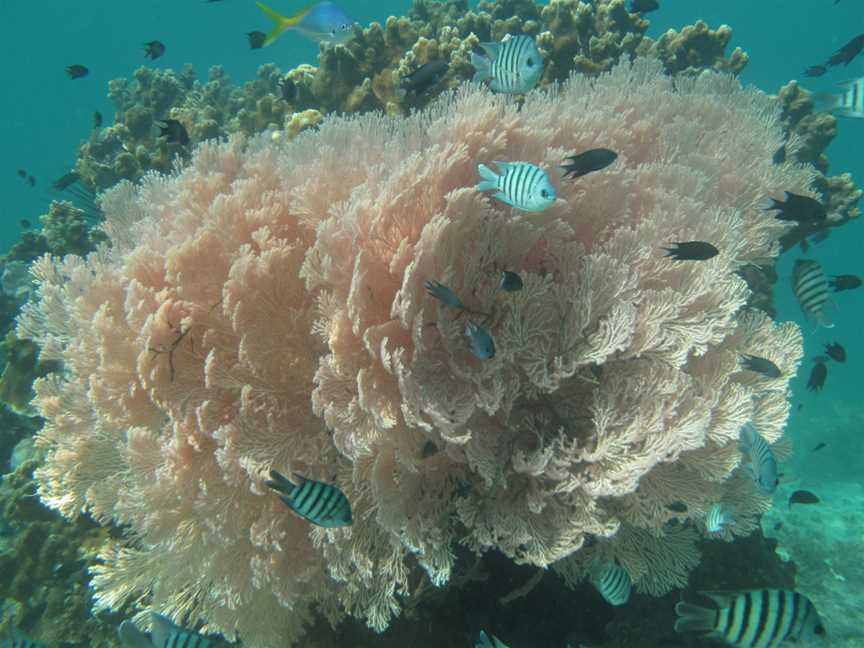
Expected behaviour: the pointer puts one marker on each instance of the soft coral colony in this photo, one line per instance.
(264, 308)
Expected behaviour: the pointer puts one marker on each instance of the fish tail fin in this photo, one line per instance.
(280, 483)
(482, 67)
(824, 320)
(282, 22)
(825, 101)
(768, 203)
(693, 618)
(490, 178)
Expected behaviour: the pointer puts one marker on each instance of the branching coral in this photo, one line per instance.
(265, 307)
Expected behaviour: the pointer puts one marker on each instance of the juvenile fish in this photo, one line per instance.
(521, 185)
(818, 374)
(613, 583)
(761, 463)
(691, 251)
(164, 634)
(482, 344)
(510, 281)
(836, 352)
(424, 77)
(760, 365)
(513, 66)
(845, 282)
(796, 207)
(848, 103)
(811, 288)
(587, 162)
(755, 619)
(77, 71)
(321, 21)
(718, 519)
(803, 497)
(323, 505)
(154, 49)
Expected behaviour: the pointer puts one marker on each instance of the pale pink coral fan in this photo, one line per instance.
(265, 307)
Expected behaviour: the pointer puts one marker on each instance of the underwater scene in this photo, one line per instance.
(432, 323)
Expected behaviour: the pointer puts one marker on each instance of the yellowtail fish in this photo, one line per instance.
(320, 21)
(321, 504)
(521, 185)
(164, 634)
(755, 619)
(848, 103)
(613, 583)
(512, 66)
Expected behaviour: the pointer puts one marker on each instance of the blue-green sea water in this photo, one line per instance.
(45, 116)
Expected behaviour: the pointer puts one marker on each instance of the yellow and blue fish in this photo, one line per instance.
(320, 21)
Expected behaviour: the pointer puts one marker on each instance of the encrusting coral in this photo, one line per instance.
(265, 307)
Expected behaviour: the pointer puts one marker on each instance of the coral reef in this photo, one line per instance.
(265, 274)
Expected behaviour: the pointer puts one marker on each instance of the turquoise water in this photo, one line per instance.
(46, 116)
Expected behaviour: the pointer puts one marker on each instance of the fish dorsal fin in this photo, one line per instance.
(162, 629)
(131, 637)
(722, 598)
(503, 166)
(491, 49)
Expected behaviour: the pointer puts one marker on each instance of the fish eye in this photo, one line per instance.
(544, 193)
(530, 62)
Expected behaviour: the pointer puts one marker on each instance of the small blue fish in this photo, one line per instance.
(718, 519)
(320, 21)
(443, 294)
(513, 66)
(324, 505)
(521, 185)
(510, 281)
(165, 634)
(762, 465)
(613, 583)
(482, 344)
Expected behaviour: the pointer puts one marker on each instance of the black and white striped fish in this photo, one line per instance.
(718, 518)
(849, 103)
(613, 583)
(164, 634)
(20, 641)
(761, 463)
(755, 619)
(810, 286)
(321, 504)
(521, 185)
(513, 66)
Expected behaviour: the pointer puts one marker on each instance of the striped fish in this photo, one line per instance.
(489, 641)
(321, 504)
(718, 519)
(755, 619)
(849, 103)
(811, 288)
(762, 465)
(613, 583)
(521, 185)
(512, 66)
(164, 634)
(20, 641)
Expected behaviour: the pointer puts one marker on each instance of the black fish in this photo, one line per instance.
(510, 281)
(31, 180)
(97, 119)
(174, 132)
(154, 49)
(424, 77)
(836, 352)
(584, 163)
(677, 507)
(77, 71)
(643, 6)
(817, 376)
(288, 89)
(22, 173)
(845, 282)
(692, 251)
(25, 224)
(779, 156)
(798, 208)
(778, 526)
(256, 38)
(815, 71)
(760, 365)
(819, 446)
(65, 181)
(848, 52)
(803, 497)
(429, 449)
(811, 288)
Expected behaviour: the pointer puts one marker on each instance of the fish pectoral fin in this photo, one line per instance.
(282, 22)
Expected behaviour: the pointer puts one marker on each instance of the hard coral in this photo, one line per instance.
(265, 307)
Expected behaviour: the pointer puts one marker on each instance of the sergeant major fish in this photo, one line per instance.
(164, 634)
(848, 103)
(718, 518)
(811, 288)
(323, 505)
(521, 185)
(320, 21)
(761, 465)
(755, 619)
(613, 583)
(512, 66)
